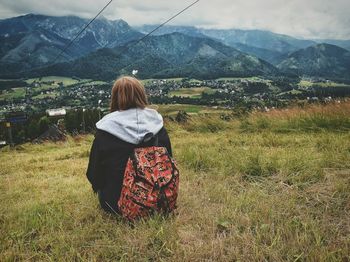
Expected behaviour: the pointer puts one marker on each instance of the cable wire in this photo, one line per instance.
(126, 46)
(81, 31)
(167, 21)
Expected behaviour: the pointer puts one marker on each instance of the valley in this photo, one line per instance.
(259, 124)
(188, 68)
(87, 100)
(39, 94)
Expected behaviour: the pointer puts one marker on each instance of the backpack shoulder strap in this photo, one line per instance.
(149, 140)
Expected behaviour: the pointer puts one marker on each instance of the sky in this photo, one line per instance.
(312, 19)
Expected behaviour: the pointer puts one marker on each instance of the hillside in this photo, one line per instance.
(341, 43)
(323, 60)
(259, 39)
(272, 56)
(23, 51)
(172, 55)
(33, 40)
(101, 33)
(272, 186)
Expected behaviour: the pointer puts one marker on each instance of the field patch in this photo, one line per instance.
(195, 92)
(13, 93)
(173, 109)
(65, 80)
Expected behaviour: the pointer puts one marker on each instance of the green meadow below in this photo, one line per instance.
(263, 187)
(194, 92)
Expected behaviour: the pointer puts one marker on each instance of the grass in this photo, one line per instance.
(305, 83)
(97, 82)
(150, 80)
(65, 80)
(262, 195)
(255, 78)
(291, 92)
(334, 116)
(195, 92)
(16, 92)
(42, 96)
(173, 109)
(192, 80)
(19, 92)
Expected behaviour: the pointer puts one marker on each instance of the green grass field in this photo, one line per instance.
(267, 187)
(42, 96)
(65, 80)
(305, 83)
(194, 92)
(255, 78)
(173, 109)
(16, 92)
(150, 80)
(19, 92)
(97, 82)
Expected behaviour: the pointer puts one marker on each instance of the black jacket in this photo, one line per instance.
(108, 158)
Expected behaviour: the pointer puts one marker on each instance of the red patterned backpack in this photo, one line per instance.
(150, 184)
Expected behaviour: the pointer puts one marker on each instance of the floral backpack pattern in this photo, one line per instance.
(150, 184)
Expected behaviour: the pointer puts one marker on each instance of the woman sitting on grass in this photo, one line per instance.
(118, 134)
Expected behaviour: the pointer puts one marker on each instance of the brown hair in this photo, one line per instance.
(128, 92)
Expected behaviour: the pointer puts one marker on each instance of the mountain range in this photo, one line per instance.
(30, 44)
(266, 45)
(320, 60)
(34, 40)
(169, 55)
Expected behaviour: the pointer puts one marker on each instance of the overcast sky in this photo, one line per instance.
(300, 18)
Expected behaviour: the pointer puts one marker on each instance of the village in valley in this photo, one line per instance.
(26, 103)
(40, 94)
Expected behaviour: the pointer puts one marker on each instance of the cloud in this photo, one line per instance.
(308, 19)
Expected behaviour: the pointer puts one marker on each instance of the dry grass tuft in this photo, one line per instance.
(334, 117)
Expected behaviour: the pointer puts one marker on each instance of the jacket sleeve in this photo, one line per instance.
(94, 169)
(164, 140)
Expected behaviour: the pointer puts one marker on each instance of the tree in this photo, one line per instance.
(44, 123)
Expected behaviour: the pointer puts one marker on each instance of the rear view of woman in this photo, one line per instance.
(129, 125)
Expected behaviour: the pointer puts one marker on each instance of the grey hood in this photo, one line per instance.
(131, 125)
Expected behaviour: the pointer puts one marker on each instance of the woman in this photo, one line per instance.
(118, 133)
